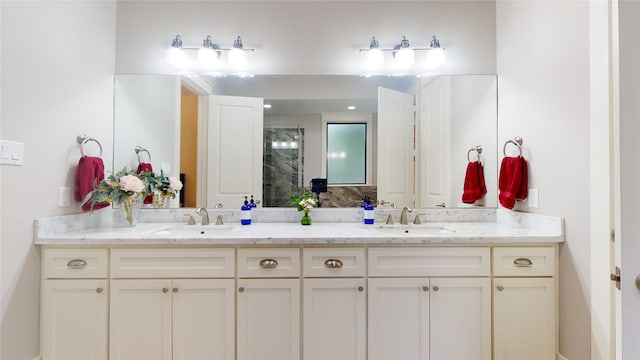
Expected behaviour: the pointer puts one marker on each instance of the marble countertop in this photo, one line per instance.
(501, 229)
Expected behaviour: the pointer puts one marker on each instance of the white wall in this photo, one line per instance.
(543, 87)
(306, 37)
(57, 66)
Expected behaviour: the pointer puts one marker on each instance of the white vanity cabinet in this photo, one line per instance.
(524, 303)
(75, 304)
(172, 304)
(268, 298)
(429, 303)
(334, 303)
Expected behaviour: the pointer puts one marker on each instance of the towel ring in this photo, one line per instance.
(517, 141)
(82, 139)
(139, 150)
(477, 149)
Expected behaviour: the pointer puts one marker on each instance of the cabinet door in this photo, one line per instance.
(524, 317)
(268, 319)
(460, 318)
(334, 319)
(140, 320)
(74, 319)
(203, 319)
(398, 319)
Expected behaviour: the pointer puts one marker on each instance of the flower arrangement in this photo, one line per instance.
(127, 188)
(304, 203)
(161, 187)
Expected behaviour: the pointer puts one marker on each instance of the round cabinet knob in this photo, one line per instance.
(425, 288)
(99, 290)
(175, 290)
(436, 288)
(360, 288)
(500, 287)
(165, 290)
(241, 289)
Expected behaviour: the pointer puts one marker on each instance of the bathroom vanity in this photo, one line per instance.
(472, 284)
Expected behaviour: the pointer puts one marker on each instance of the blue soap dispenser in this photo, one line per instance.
(252, 202)
(245, 218)
(368, 211)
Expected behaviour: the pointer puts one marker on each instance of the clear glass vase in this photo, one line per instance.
(162, 201)
(129, 211)
(305, 219)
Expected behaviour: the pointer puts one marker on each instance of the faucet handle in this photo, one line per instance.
(191, 221)
(219, 220)
(389, 220)
(417, 219)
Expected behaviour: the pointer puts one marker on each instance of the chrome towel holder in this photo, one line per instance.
(477, 149)
(139, 150)
(82, 139)
(517, 141)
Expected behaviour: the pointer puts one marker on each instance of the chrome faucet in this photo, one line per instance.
(403, 215)
(205, 215)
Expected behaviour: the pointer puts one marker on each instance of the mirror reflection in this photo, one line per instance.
(206, 129)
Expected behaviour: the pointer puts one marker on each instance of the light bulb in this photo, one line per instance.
(375, 58)
(405, 57)
(177, 57)
(435, 58)
(207, 58)
(238, 58)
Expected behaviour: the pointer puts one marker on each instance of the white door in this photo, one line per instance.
(524, 319)
(203, 319)
(334, 319)
(234, 156)
(268, 319)
(140, 320)
(74, 319)
(460, 318)
(395, 167)
(628, 180)
(434, 139)
(398, 320)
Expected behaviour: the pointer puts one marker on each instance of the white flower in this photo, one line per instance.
(174, 184)
(131, 183)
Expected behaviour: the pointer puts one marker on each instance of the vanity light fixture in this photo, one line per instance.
(404, 55)
(208, 55)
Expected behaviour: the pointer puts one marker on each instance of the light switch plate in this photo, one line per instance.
(533, 198)
(12, 153)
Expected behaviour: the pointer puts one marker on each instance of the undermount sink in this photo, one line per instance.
(187, 230)
(415, 229)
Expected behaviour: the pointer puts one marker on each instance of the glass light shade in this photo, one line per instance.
(177, 57)
(435, 57)
(375, 58)
(207, 58)
(238, 58)
(405, 57)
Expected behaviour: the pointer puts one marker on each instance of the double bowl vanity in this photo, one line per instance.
(472, 284)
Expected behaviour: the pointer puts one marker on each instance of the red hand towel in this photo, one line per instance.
(474, 185)
(90, 170)
(142, 167)
(512, 182)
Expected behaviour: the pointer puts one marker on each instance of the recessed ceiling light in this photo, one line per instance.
(267, 106)
(351, 107)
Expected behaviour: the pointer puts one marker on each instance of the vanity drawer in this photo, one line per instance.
(320, 262)
(463, 261)
(524, 261)
(172, 263)
(75, 263)
(257, 263)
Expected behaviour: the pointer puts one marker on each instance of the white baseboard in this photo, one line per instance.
(560, 357)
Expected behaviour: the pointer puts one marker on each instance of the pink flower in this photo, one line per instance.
(175, 184)
(131, 183)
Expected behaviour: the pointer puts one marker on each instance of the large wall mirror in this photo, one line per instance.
(414, 135)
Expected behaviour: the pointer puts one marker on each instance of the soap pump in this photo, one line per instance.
(252, 202)
(245, 218)
(368, 211)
